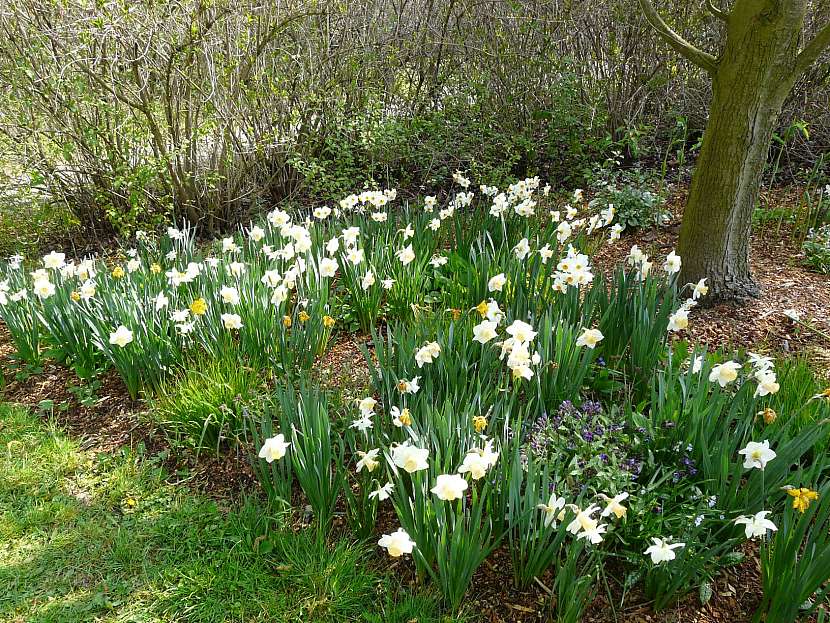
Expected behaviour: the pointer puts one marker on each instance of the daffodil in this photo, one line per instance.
(661, 551)
(198, 307)
(802, 497)
(590, 338)
(614, 506)
(368, 460)
(497, 283)
(756, 525)
(724, 373)
(121, 336)
(397, 544)
(449, 487)
(274, 448)
(410, 458)
(484, 331)
(382, 493)
(554, 510)
(757, 454)
(231, 321)
(479, 423)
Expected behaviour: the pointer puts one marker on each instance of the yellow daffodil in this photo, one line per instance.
(155, 268)
(286, 321)
(303, 316)
(198, 307)
(481, 308)
(479, 423)
(802, 497)
(75, 296)
(328, 322)
(117, 272)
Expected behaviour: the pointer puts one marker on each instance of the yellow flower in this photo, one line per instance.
(328, 322)
(303, 316)
(286, 321)
(479, 423)
(118, 272)
(155, 268)
(198, 307)
(456, 313)
(75, 296)
(802, 498)
(405, 417)
(769, 415)
(481, 308)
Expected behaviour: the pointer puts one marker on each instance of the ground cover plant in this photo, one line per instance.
(519, 401)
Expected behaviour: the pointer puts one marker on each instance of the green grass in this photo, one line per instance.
(97, 537)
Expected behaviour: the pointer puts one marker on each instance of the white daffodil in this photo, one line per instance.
(367, 405)
(427, 354)
(328, 267)
(449, 487)
(410, 458)
(397, 544)
(369, 460)
(767, 383)
(229, 295)
(614, 506)
(484, 331)
(521, 331)
(672, 264)
(121, 336)
(274, 448)
(406, 255)
(756, 525)
(757, 455)
(724, 373)
(382, 493)
(661, 551)
(497, 283)
(231, 322)
(554, 510)
(590, 338)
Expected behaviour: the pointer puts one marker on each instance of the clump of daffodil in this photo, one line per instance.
(118, 272)
(303, 316)
(328, 322)
(801, 497)
(198, 307)
(479, 423)
(286, 321)
(768, 415)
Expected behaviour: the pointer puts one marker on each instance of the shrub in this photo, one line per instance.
(816, 249)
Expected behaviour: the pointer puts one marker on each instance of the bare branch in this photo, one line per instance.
(679, 44)
(813, 51)
(719, 13)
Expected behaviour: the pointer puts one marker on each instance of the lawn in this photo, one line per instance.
(87, 536)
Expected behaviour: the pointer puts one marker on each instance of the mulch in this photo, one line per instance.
(776, 263)
(112, 421)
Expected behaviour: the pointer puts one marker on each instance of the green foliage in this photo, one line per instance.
(629, 192)
(816, 249)
(204, 405)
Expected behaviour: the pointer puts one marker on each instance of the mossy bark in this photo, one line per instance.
(753, 76)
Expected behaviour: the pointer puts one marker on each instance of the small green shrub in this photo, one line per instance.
(629, 192)
(817, 250)
(203, 406)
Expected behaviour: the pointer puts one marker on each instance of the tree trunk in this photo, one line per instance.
(753, 77)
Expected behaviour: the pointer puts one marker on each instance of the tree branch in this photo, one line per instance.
(814, 49)
(719, 13)
(679, 44)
